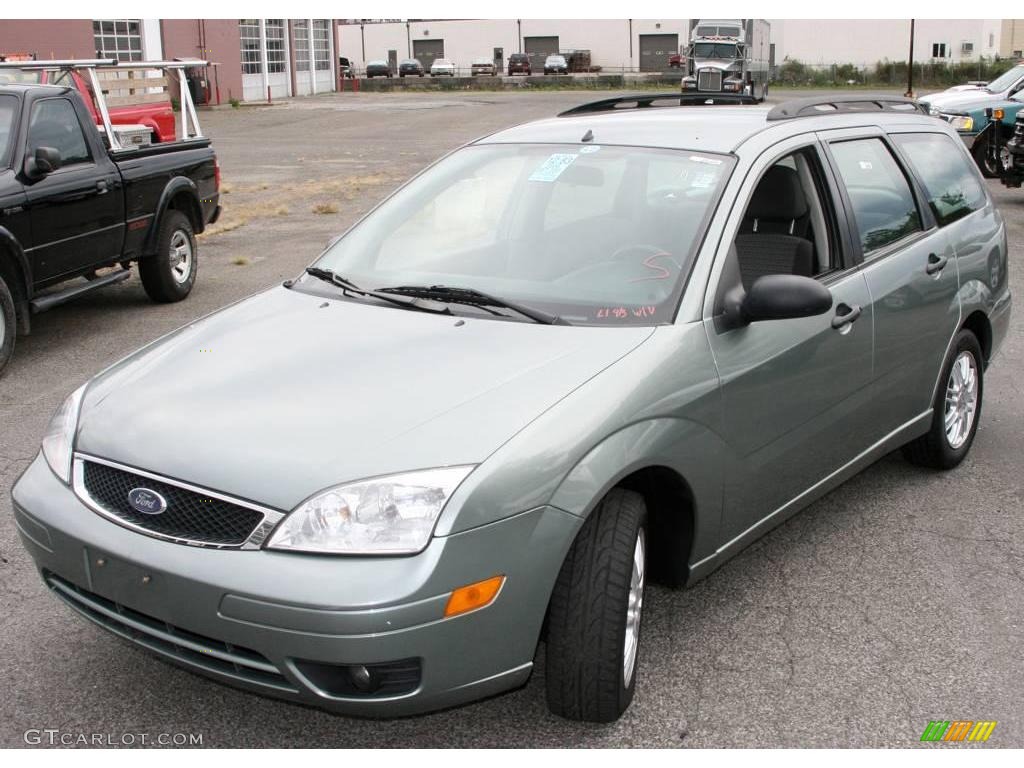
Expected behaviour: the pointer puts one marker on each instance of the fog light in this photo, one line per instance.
(362, 678)
(474, 596)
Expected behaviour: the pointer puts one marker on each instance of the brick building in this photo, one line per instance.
(287, 57)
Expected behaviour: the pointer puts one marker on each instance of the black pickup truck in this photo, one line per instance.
(70, 207)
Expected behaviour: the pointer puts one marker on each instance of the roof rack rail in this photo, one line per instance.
(58, 64)
(645, 100)
(813, 106)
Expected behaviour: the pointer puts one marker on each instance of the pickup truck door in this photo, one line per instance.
(76, 212)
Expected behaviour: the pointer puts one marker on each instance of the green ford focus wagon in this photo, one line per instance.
(575, 356)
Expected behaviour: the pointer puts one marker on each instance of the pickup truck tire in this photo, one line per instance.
(8, 324)
(169, 274)
(594, 615)
(960, 391)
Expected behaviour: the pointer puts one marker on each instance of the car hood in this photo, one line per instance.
(286, 393)
(962, 100)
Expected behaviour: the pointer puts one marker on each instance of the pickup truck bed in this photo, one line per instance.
(70, 207)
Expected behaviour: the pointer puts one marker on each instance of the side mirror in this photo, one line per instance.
(780, 297)
(45, 160)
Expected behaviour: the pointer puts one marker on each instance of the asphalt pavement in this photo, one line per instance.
(895, 600)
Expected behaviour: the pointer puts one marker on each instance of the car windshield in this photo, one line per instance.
(8, 106)
(1006, 79)
(377, 63)
(595, 234)
(714, 50)
(556, 60)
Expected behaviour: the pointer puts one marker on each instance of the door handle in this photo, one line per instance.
(935, 263)
(845, 316)
(101, 187)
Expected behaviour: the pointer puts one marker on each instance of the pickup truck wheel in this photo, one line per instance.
(595, 611)
(169, 274)
(956, 409)
(8, 326)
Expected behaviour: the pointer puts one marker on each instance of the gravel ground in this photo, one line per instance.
(895, 600)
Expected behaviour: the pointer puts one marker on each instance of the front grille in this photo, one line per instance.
(162, 638)
(190, 516)
(709, 80)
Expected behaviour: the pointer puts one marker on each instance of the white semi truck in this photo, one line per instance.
(728, 56)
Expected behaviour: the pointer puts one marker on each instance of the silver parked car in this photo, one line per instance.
(622, 349)
(442, 67)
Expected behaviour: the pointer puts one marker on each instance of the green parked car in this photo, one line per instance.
(975, 127)
(569, 358)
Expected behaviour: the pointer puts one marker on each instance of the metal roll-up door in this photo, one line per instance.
(655, 51)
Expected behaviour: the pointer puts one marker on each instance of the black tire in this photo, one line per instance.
(933, 449)
(984, 160)
(8, 325)
(586, 638)
(160, 272)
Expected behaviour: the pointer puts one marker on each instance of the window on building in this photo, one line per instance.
(275, 45)
(301, 42)
(321, 44)
(938, 50)
(119, 39)
(991, 39)
(249, 32)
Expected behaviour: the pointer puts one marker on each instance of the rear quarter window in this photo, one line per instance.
(8, 108)
(952, 186)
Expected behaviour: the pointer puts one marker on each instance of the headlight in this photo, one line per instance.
(386, 515)
(961, 122)
(59, 439)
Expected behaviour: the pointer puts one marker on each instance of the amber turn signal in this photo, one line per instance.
(474, 596)
(998, 114)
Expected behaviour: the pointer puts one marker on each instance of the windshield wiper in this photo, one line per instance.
(477, 298)
(347, 286)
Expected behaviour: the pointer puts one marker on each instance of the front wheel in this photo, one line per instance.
(8, 324)
(987, 163)
(956, 409)
(595, 612)
(169, 274)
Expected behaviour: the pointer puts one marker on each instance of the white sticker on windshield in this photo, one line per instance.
(553, 167)
(707, 160)
(703, 180)
(589, 148)
(865, 165)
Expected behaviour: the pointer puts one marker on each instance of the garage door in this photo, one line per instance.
(427, 50)
(538, 49)
(655, 50)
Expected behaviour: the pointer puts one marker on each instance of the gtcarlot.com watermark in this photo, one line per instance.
(54, 737)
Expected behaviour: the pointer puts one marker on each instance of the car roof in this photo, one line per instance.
(703, 128)
(23, 88)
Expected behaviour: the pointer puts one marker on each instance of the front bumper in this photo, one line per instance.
(247, 617)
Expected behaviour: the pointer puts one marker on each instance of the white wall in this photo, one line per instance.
(866, 41)
(608, 40)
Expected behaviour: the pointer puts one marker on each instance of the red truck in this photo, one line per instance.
(154, 113)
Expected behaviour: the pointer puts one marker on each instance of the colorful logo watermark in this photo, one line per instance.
(958, 730)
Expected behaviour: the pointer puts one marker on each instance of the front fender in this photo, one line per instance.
(691, 450)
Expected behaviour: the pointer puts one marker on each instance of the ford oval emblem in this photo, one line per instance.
(146, 501)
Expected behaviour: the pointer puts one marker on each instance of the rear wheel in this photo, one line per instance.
(595, 613)
(169, 274)
(956, 409)
(8, 324)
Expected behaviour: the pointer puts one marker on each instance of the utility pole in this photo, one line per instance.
(910, 65)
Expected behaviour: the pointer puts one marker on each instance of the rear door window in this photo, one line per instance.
(952, 185)
(8, 108)
(884, 208)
